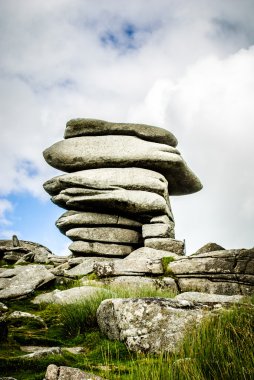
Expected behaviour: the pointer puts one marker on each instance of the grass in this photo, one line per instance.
(165, 261)
(221, 348)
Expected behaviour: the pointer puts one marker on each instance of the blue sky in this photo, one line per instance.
(187, 66)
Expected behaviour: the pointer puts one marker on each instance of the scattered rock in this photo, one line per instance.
(68, 296)
(41, 353)
(21, 316)
(22, 281)
(68, 373)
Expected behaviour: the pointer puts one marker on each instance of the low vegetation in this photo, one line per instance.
(221, 348)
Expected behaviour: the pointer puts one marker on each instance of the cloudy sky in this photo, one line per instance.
(184, 65)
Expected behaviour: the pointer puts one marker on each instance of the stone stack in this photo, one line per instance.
(116, 190)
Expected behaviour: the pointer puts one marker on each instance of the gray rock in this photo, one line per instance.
(130, 201)
(72, 219)
(24, 246)
(158, 230)
(209, 299)
(43, 353)
(162, 219)
(109, 179)
(12, 256)
(214, 286)
(100, 249)
(150, 253)
(22, 281)
(89, 127)
(209, 247)
(123, 151)
(150, 324)
(85, 267)
(132, 281)
(165, 244)
(221, 272)
(21, 316)
(68, 296)
(68, 373)
(105, 234)
(140, 262)
(3, 308)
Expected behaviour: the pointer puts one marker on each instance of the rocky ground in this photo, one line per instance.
(38, 287)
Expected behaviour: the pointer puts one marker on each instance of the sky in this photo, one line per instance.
(183, 65)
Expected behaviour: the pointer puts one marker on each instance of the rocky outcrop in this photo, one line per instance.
(21, 281)
(21, 251)
(140, 262)
(155, 324)
(68, 373)
(219, 272)
(117, 188)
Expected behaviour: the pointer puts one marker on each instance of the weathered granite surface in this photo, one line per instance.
(219, 272)
(153, 324)
(88, 127)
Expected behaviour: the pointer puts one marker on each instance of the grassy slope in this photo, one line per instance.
(220, 349)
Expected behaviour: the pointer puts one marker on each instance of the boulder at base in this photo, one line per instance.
(152, 324)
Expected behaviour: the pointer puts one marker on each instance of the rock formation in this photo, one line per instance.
(117, 188)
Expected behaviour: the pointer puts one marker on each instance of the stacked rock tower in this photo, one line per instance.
(116, 190)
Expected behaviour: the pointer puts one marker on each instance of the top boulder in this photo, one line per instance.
(94, 127)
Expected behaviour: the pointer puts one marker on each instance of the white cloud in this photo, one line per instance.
(5, 207)
(191, 72)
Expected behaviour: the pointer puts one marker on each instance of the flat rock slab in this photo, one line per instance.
(110, 179)
(165, 244)
(148, 324)
(91, 152)
(210, 299)
(221, 272)
(68, 373)
(68, 296)
(89, 127)
(158, 230)
(105, 234)
(127, 201)
(140, 262)
(43, 352)
(21, 281)
(88, 248)
(85, 267)
(72, 219)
